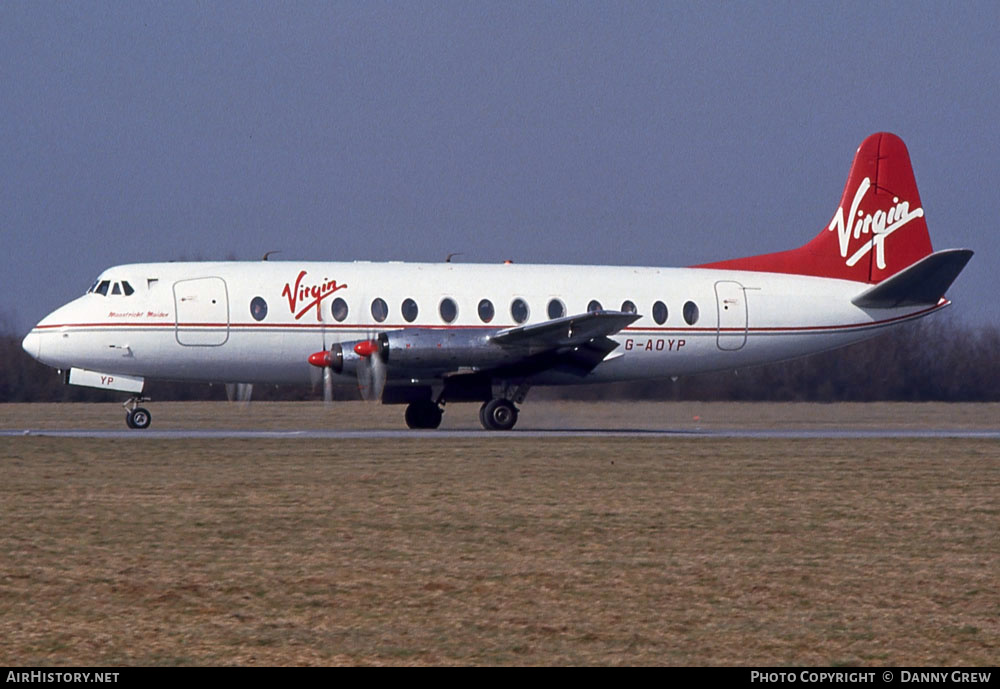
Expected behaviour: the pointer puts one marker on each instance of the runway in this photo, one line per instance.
(540, 420)
(312, 434)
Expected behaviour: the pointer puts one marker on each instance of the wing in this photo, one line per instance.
(573, 344)
(471, 358)
(568, 331)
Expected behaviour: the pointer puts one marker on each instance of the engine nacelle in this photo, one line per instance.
(427, 350)
(419, 353)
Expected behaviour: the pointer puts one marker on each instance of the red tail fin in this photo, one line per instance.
(878, 230)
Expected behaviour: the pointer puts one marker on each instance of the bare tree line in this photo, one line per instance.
(932, 360)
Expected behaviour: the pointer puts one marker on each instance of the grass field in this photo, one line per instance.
(500, 550)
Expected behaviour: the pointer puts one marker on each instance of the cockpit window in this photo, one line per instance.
(116, 288)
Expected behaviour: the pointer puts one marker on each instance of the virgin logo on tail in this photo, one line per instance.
(879, 225)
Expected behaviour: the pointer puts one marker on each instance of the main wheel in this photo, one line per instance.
(139, 418)
(498, 415)
(423, 414)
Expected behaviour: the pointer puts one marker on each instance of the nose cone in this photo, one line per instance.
(32, 344)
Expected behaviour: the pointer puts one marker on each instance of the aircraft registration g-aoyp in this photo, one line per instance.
(425, 334)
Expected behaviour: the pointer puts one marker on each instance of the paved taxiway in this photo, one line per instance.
(814, 434)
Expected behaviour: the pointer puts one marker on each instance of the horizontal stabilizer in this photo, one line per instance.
(925, 282)
(567, 331)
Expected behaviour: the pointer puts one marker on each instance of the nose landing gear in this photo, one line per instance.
(135, 416)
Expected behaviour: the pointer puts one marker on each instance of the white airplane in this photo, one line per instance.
(425, 334)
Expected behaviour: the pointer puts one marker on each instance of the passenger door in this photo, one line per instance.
(732, 306)
(202, 308)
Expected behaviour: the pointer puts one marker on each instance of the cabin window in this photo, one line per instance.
(519, 310)
(409, 310)
(380, 310)
(594, 306)
(556, 309)
(258, 308)
(690, 312)
(448, 309)
(339, 309)
(660, 313)
(127, 289)
(486, 311)
(628, 307)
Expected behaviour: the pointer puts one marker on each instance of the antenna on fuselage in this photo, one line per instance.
(276, 251)
(456, 253)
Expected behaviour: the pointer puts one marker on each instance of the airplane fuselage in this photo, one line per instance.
(200, 321)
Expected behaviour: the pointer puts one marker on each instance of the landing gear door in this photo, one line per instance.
(732, 304)
(202, 308)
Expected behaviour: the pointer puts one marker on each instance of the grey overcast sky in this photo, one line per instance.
(650, 133)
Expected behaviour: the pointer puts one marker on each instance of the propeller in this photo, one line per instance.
(239, 392)
(316, 374)
(244, 391)
(327, 370)
(367, 358)
(325, 360)
(371, 370)
(327, 385)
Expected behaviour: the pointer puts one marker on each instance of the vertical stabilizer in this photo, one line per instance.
(878, 230)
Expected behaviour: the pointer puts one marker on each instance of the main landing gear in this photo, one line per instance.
(135, 416)
(498, 415)
(423, 414)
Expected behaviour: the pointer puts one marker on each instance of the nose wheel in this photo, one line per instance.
(135, 416)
